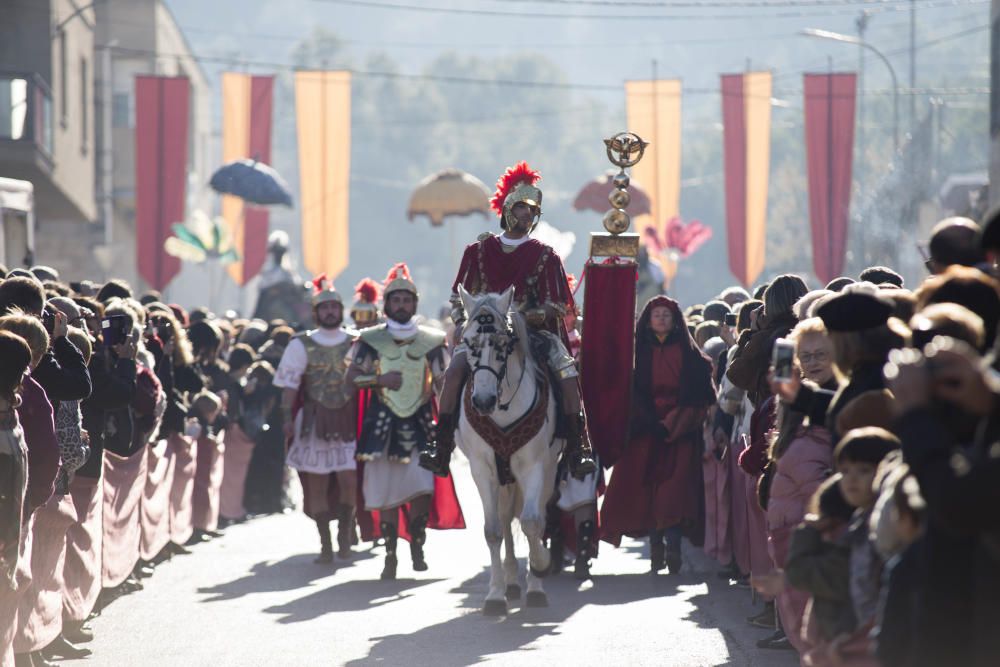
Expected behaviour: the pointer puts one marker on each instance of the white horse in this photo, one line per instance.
(505, 385)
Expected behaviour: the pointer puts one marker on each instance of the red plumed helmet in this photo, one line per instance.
(367, 291)
(519, 174)
(399, 279)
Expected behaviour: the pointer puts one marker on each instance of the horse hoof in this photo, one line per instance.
(495, 608)
(513, 592)
(536, 599)
(541, 574)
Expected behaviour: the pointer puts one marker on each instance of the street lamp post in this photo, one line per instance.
(838, 37)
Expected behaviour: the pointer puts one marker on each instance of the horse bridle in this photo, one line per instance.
(504, 343)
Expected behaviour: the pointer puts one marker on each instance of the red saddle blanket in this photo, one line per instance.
(505, 442)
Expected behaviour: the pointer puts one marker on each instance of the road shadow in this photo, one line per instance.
(346, 596)
(275, 576)
(471, 637)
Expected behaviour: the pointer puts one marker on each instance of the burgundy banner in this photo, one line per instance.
(829, 109)
(607, 355)
(255, 218)
(162, 107)
(734, 154)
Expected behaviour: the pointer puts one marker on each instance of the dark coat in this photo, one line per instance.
(114, 387)
(749, 367)
(822, 568)
(959, 615)
(63, 373)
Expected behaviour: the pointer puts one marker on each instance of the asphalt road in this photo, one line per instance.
(254, 597)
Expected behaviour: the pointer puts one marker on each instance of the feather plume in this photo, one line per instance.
(399, 270)
(320, 283)
(367, 291)
(514, 176)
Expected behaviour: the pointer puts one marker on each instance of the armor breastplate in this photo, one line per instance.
(325, 373)
(408, 357)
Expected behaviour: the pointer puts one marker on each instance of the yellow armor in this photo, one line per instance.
(408, 357)
(326, 372)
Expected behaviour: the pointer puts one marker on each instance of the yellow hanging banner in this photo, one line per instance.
(323, 119)
(653, 111)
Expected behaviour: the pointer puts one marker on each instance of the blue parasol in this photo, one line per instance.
(253, 182)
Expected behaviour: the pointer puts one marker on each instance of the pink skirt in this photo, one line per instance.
(155, 513)
(182, 452)
(124, 482)
(40, 607)
(82, 568)
(760, 559)
(9, 598)
(239, 449)
(718, 541)
(739, 531)
(207, 481)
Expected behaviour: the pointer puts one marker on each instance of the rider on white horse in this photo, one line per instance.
(541, 293)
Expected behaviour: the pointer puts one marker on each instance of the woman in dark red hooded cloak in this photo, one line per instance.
(656, 486)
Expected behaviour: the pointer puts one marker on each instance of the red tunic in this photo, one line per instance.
(655, 484)
(532, 268)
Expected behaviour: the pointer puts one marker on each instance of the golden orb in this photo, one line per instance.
(616, 221)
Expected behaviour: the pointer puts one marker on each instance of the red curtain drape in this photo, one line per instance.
(162, 109)
(829, 116)
(607, 354)
(255, 218)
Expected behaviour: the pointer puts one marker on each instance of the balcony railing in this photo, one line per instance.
(26, 110)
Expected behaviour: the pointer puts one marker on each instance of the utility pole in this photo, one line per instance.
(995, 102)
(862, 24)
(913, 64)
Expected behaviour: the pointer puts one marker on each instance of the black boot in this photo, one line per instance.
(578, 451)
(418, 535)
(657, 551)
(59, 648)
(77, 633)
(673, 558)
(391, 536)
(325, 543)
(437, 456)
(557, 541)
(345, 531)
(584, 539)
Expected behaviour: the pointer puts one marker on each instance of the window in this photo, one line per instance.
(121, 110)
(63, 80)
(13, 108)
(84, 109)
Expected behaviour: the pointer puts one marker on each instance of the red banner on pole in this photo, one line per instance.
(829, 110)
(255, 218)
(162, 109)
(607, 355)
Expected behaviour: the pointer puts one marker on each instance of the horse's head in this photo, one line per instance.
(490, 337)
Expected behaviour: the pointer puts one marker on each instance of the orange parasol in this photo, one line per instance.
(449, 192)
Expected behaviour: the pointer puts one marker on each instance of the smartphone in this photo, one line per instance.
(49, 320)
(730, 319)
(115, 329)
(782, 358)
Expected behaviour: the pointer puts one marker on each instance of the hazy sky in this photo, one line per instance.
(592, 51)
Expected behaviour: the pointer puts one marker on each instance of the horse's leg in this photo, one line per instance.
(508, 502)
(531, 476)
(488, 485)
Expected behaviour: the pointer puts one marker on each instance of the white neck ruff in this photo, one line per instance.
(513, 242)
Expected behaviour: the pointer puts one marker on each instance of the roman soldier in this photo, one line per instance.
(320, 419)
(541, 292)
(403, 364)
(364, 311)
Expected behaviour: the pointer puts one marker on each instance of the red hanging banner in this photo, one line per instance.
(829, 111)
(255, 218)
(162, 109)
(607, 355)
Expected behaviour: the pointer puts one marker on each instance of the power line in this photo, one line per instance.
(708, 4)
(799, 13)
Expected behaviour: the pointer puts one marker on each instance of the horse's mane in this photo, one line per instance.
(520, 326)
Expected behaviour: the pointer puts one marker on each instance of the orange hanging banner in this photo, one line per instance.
(246, 133)
(746, 123)
(323, 118)
(653, 111)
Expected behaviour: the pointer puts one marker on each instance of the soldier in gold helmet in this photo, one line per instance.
(403, 364)
(323, 430)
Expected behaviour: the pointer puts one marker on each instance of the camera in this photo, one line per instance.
(730, 319)
(49, 319)
(116, 329)
(782, 358)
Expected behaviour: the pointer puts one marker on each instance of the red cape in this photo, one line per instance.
(446, 511)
